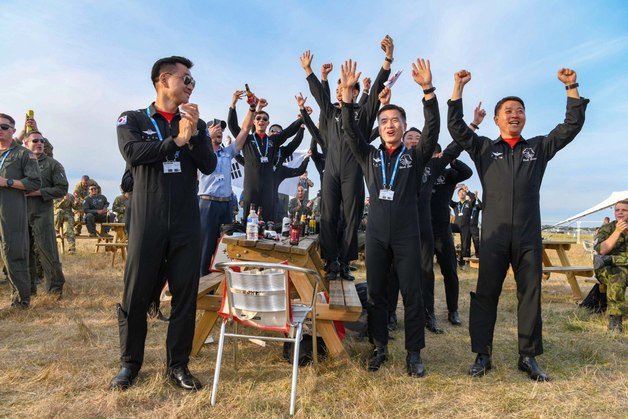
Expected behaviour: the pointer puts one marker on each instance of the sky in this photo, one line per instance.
(79, 64)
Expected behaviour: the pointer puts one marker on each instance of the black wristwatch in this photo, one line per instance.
(10, 183)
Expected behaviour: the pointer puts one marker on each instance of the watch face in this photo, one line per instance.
(9, 182)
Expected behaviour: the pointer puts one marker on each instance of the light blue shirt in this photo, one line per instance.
(218, 184)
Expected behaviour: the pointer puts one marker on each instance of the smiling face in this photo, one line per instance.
(173, 82)
(510, 118)
(391, 127)
(93, 191)
(411, 139)
(261, 122)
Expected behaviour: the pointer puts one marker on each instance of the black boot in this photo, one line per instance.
(481, 366)
(431, 324)
(332, 268)
(123, 380)
(345, 272)
(615, 323)
(392, 322)
(528, 364)
(414, 364)
(380, 354)
(182, 377)
(454, 318)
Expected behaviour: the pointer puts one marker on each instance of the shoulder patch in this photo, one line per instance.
(121, 120)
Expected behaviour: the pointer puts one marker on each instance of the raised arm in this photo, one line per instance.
(316, 88)
(290, 131)
(366, 88)
(352, 135)
(247, 124)
(368, 112)
(232, 118)
(422, 75)
(564, 133)
(458, 129)
(460, 172)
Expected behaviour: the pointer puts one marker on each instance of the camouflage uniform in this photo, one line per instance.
(64, 216)
(615, 274)
(119, 207)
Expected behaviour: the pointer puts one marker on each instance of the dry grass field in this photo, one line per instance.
(57, 358)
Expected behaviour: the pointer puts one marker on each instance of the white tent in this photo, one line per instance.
(608, 202)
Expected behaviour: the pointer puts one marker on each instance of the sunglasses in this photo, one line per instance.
(5, 126)
(261, 118)
(37, 140)
(187, 79)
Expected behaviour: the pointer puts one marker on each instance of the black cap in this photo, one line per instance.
(215, 121)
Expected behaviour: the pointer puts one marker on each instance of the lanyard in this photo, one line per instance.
(257, 146)
(161, 138)
(4, 156)
(460, 206)
(394, 173)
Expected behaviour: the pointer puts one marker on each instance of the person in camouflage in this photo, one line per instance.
(64, 217)
(119, 206)
(611, 263)
(81, 191)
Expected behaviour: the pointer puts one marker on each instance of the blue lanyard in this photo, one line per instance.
(4, 156)
(460, 206)
(161, 138)
(394, 173)
(257, 145)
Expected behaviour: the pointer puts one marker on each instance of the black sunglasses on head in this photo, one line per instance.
(5, 126)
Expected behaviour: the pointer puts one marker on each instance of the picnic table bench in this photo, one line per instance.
(118, 242)
(344, 303)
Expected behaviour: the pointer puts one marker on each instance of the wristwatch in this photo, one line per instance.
(10, 183)
(195, 133)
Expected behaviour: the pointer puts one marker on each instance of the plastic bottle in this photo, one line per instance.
(285, 227)
(252, 224)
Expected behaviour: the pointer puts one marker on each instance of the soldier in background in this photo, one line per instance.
(54, 184)
(64, 217)
(81, 191)
(611, 263)
(95, 209)
(119, 207)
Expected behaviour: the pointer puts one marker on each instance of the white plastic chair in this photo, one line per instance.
(260, 298)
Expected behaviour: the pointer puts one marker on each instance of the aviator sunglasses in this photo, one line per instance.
(187, 79)
(261, 118)
(5, 126)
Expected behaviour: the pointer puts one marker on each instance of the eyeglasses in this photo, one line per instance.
(261, 118)
(36, 140)
(187, 79)
(6, 126)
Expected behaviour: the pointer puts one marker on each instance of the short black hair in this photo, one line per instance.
(275, 125)
(167, 63)
(393, 108)
(262, 112)
(506, 99)
(8, 118)
(356, 86)
(438, 148)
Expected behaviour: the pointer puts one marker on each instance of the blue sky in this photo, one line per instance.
(78, 64)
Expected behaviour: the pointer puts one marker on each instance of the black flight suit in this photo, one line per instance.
(392, 233)
(258, 170)
(511, 227)
(462, 212)
(474, 223)
(444, 248)
(165, 235)
(433, 169)
(343, 186)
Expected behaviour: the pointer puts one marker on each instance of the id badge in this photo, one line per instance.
(386, 194)
(172, 167)
(263, 159)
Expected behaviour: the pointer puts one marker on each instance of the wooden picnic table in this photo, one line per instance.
(344, 303)
(118, 242)
(566, 268)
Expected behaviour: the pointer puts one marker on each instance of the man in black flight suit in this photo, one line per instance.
(164, 148)
(392, 175)
(511, 169)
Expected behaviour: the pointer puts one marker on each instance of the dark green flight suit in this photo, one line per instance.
(17, 163)
(54, 184)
